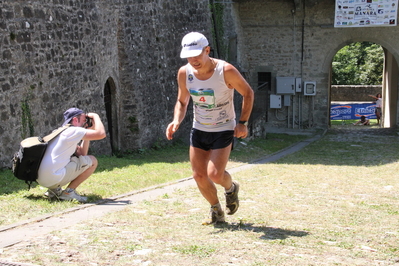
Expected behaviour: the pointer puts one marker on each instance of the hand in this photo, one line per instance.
(171, 129)
(90, 116)
(241, 131)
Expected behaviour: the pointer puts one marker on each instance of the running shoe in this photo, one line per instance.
(215, 216)
(53, 193)
(71, 194)
(232, 202)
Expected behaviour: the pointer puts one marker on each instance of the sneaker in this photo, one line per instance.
(53, 193)
(71, 194)
(232, 202)
(216, 216)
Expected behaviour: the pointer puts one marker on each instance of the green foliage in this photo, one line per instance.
(134, 128)
(217, 11)
(359, 63)
(27, 122)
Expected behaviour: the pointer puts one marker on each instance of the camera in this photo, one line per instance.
(89, 122)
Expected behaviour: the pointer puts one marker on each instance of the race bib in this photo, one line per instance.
(204, 98)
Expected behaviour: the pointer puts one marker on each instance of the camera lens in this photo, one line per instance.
(89, 122)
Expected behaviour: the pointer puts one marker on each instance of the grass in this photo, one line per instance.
(335, 202)
(115, 176)
(373, 122)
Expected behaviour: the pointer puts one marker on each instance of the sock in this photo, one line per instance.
(217, 205)
(230, 190)
(69, 190)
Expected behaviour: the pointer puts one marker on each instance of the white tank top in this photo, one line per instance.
(378, 103)
(212, 101)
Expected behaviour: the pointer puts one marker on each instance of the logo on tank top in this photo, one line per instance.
(190, 77)
(222, 115)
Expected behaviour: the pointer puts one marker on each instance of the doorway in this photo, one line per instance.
(111, 114)
(361, 66)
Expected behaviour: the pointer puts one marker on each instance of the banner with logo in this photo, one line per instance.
(365, 13)
(349, 111)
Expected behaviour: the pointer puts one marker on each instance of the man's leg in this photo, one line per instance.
(217, 167)
(77, 171)
(218, 174)
(209, 169)
(199, 163)
(83, 176)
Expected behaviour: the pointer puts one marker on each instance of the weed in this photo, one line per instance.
(199, 251)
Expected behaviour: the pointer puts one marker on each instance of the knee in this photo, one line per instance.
(198, 176)
(94, 161)
(217, 176)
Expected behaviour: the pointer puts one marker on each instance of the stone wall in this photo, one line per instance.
(56, 54)
(296, 39)
(120, 59)
(354, 93)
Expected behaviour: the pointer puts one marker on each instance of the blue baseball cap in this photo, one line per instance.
(71, 113)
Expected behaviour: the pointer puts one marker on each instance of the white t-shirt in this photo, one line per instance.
(378, 103)
(212, 100)
(58, 155)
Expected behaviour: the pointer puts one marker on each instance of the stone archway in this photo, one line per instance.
(389, 88)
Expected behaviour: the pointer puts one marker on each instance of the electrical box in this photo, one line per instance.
(287, 100)
(298, 84)
(275, 101)
(285, 85)
(309, 88)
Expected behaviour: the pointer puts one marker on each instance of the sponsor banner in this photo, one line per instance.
(365, 13)
(349, 111)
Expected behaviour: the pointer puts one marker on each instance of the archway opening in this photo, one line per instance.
(357, 77)
(111, 114)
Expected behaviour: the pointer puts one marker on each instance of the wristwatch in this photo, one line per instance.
(245, 123)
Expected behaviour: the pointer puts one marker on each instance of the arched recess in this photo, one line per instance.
(389, 86)
(111, 113)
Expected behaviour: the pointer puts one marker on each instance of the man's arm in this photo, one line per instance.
(183, 99)
(97, 131)
(235, 80)
(83, 148)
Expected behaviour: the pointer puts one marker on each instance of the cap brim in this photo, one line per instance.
(190, 53)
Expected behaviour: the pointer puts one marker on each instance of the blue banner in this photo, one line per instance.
(350, 111)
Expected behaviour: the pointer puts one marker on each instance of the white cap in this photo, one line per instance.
(193, 44)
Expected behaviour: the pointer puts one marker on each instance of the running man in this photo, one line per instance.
(211, 83)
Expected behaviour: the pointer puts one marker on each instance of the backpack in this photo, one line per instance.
(26, 161)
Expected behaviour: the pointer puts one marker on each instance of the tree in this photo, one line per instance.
(359, 63)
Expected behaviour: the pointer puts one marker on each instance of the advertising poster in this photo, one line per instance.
(349, 111)
(365, 13)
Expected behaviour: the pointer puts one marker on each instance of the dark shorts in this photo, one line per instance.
(211, 140)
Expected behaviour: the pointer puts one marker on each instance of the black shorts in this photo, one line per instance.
(211, 140)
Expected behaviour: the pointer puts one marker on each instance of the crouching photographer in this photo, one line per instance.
(66, 161)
